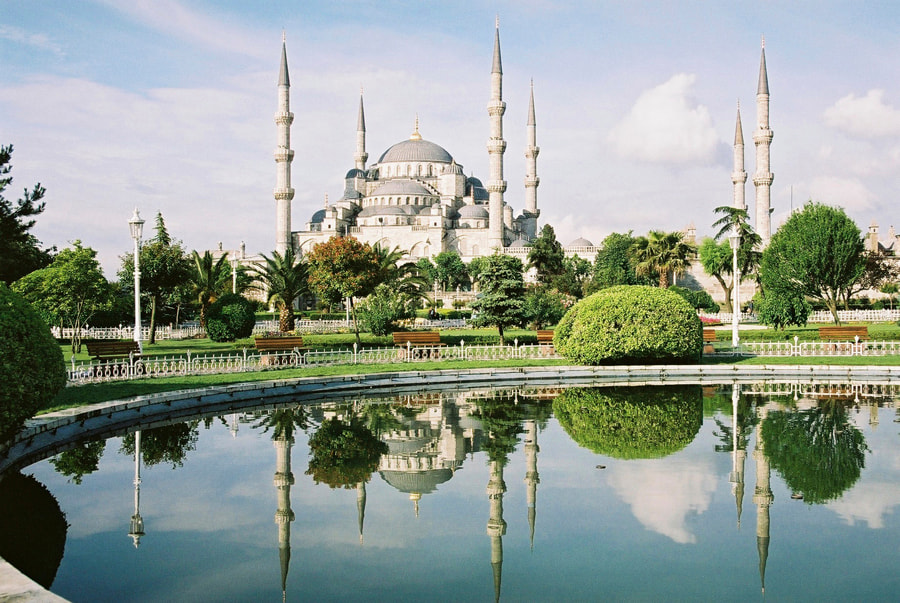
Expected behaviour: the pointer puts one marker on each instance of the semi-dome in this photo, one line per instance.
(318, 217)
(401, 187)
(480, 194)
(355, 173)
(580, 242)
(519, 243)
(419, 482)
(472, 180)
(473, 211)
(415, 150)
(382, 210)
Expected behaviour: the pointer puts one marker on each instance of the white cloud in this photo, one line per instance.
(865, 117)
(849, 193)
(20, 36)
(868, 503)
(667, 125)
(662, 493)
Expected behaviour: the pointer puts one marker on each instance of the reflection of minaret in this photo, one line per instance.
(532, 479)
(496, 527)
(762, 498)
(284, 479)
(361, 507)
(873, 414)
(137, 522)
(234, 425)
(738, 454)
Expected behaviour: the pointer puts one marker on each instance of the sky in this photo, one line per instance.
(168, 106)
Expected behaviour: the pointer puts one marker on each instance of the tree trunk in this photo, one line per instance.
(285, 318)
(726, 288)
(664, 279)
(153, 319)
(832, 306)
(502, 340)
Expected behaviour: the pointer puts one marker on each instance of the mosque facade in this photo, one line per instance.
(416, 195)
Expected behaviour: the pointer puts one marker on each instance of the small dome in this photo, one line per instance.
(519, 243)
(580, 242)
(481, 194)
(421, 482)
(473, 211)
(455, 169)
(401, 187)
(318, 217)
(472, 180)
(355, 173)
(415, 150)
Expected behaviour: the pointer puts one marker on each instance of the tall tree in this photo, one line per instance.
(283, 279)
(661, 253)
(450, 270)
(209, 278)
(817, 253)
(614, 264)
(749, 254)
(546, 256)
(717, 261)
(404, 277)
(164, 267)
(502, 300)
(342, 267)
(69, 291)
(20, 251)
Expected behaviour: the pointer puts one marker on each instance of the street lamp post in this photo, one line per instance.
(234, 263)
(735, 239)
(137, 228)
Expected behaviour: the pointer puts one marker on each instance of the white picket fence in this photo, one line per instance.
(820, 316)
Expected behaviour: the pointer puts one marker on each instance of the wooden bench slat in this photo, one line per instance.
(545, 336)
(709, 335)
(277, 344)
(416, 338)
(107, 349)
(844, 332)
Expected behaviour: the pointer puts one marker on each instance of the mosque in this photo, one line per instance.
(416, 196)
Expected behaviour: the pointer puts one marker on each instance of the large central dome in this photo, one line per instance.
(415, 149)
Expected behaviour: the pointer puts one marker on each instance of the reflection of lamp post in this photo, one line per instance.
(137, 522)
(735, 239)
(137, 227)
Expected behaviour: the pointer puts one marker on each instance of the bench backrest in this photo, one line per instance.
(545, 336)
(278, 343)
(419, 337)
(709, 335)
(114, 347)
(844, 332)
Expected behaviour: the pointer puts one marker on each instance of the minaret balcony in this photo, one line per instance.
(496, 186)
(763, 179)
(739, 177)
(284, 194)
(532, 152)
(496, 145)
(284, 118)
(282, 154)
(763, 135)
(532, 181)
(496, 108)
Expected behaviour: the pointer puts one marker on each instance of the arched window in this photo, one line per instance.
(429, 171)
(409, 170)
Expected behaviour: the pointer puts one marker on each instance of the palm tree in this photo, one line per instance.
(209, 279)
(738, 219)
(283, 278)
(662, 252)
(404, 278)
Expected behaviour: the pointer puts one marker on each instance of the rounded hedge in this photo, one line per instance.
(230, 317)
(630, 324)
(32, 370)
(631, 422)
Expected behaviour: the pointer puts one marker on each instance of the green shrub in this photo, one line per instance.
(631, 422)
(630, 324)
(32, 369)
(544, 307)
(230, 317)
(699, 300)
(379, 312)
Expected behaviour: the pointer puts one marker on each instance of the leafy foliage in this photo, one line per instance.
(718, 262)
(544, 307)
(166, 444)
(380, 312)
(209, 278)
(630, 324)
(660, 253)
(501, 418)
(780, 308)
(501, 303)
(450, 270)
(699, 300)
(68, 291)
(32, 369)
(283, 278)
(81, 460)
(546, 256)
(631, 422)
(817, 451)
(615, 263)
(817, 253)
(343, 454)
(230, 317)
(20, 251)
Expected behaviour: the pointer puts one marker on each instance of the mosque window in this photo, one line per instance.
(407, 200)
(409, 170)
(419, 170)
(429, 170)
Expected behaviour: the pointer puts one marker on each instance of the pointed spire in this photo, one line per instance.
(415, 135)
(361, 119)
(763, 87)
(531, 121)
(738, 130)
(283, 79)
(496, 67)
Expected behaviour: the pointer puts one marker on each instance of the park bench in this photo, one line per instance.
(418, 339)
(709, 338)
(545, 337)
(278, 344)
(105, 350)
(849, 333)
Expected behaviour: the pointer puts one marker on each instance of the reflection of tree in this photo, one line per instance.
(32, 528)
(82, 460)
(343, 454)
(167, 444)
(631, 422)
(284, 421)
(502, 419)
(817, 451)
(746, 420)
(379, 418)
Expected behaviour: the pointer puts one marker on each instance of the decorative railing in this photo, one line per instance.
(821, 316)
(799, 348)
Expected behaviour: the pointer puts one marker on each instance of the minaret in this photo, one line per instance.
(137, 522)
(738, 454)
(532, 478)
(361, 507)
(283, 157)
(361, 155)
(762, 498)
(284, 479)
(496, 186)
(531, 178)
(739, 175)
(496, 526)
(762, 137)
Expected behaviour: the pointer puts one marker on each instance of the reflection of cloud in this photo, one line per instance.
(868, 502)
(865, 117)
(666, 125)
(663, 492)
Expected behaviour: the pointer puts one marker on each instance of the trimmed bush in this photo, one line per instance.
(630, 324)
(631, 422)
(230, 317)
(32, 370)
(379, 313)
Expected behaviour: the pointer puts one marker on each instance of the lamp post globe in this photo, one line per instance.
(136, 224)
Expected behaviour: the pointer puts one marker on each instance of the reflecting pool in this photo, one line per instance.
(630, 493)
